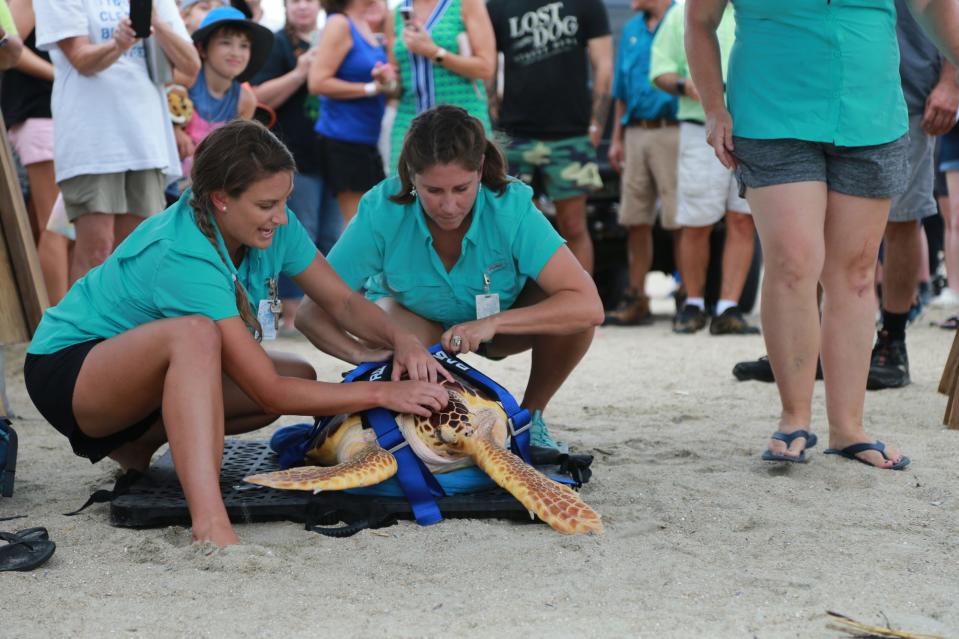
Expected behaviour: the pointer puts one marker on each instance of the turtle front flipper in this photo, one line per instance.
(556, 504)
(369, 466)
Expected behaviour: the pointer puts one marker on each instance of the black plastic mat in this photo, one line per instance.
(156, 498)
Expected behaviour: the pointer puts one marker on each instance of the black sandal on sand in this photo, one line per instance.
(25, 551)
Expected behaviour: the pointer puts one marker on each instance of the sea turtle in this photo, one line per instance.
(470, 430)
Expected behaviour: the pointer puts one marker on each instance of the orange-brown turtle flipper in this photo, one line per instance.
(556, 504)
(370, 465)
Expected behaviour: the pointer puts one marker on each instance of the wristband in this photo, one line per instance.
(681, 87)
(370, 89)
(440, 55)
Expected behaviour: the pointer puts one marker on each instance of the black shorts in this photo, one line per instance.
(50, 380)
(349, 166)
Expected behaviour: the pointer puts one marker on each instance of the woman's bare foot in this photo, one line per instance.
(220, 533)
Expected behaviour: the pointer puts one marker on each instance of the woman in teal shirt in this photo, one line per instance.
(160, 342)
(816, 130)
(455, 251)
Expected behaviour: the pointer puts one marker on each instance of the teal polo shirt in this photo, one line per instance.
(387, 249)
(817, 71)
(167, 268)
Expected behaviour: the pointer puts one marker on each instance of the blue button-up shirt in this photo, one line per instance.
(631, 78)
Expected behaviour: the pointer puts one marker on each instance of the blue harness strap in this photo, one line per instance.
(518, 418)
(417, 482)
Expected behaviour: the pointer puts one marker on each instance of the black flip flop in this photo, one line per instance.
(22, 553)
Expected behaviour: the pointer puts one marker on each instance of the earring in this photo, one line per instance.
(413, 191)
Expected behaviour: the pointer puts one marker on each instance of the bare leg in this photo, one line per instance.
(737, 254)
(43, 192)
(242, 414)
(124, 225)
(790, 220)
(173, 363)
(951, 241)
(853, 231)
(901, 272)
(54, 253)
(571, 220)
(349, 202)
(694, 258)
(95, 242)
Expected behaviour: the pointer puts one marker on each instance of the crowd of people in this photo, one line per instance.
(418, 146)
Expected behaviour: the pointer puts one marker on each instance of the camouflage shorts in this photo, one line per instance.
(562, 168)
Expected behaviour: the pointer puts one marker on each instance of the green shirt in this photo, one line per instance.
(669, 54)
(167, 268)
(387, 249)
(817, 71)
(6, 19)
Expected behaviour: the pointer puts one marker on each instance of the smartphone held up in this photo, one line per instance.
(141, 17)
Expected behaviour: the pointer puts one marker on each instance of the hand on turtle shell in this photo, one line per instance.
(412, 358)
(417, 398)
(470, 334)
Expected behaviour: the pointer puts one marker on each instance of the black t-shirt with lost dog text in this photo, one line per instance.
(546, 91)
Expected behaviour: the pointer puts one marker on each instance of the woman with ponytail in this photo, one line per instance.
(455, 251)
(161, 342)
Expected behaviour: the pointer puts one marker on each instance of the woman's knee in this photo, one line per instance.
(793, 265)
(740, 225)
(195, 335)
(854, 275)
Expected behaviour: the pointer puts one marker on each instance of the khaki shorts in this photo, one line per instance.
(136, 192)
(706, 189)
(649, 174)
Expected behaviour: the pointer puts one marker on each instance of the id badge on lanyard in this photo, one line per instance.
(488, 303)
(268, 311)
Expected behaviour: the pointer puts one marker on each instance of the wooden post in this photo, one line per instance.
(23, 294)
(949, 385)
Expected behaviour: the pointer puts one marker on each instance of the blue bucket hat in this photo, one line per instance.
(261, 38)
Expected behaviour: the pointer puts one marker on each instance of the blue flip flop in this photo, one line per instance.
(811, 440)
(849, 452)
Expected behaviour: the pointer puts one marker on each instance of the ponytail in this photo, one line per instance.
(446, 135)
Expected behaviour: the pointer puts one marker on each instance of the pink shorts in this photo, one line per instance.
(33, 140)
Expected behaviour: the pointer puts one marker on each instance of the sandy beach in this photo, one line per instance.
(702, 538)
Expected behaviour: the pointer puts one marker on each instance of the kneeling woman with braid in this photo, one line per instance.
(455, 251)
(160, 342)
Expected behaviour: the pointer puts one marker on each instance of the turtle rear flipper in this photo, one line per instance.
(556, 504)
(369, 466)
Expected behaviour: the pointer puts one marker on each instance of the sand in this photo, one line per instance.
(702, 538)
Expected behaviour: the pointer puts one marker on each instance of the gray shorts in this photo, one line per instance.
(878, 171)
(917, 201)
(136, 192)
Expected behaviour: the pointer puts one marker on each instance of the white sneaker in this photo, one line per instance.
(948, 298)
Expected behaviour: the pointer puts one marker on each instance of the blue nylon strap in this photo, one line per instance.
(417, 482)
(520, 417)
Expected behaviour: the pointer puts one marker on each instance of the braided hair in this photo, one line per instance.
(230, 159)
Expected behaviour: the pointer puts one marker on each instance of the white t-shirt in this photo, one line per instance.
(115, 120)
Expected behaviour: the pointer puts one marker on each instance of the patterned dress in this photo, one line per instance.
(426, 84)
